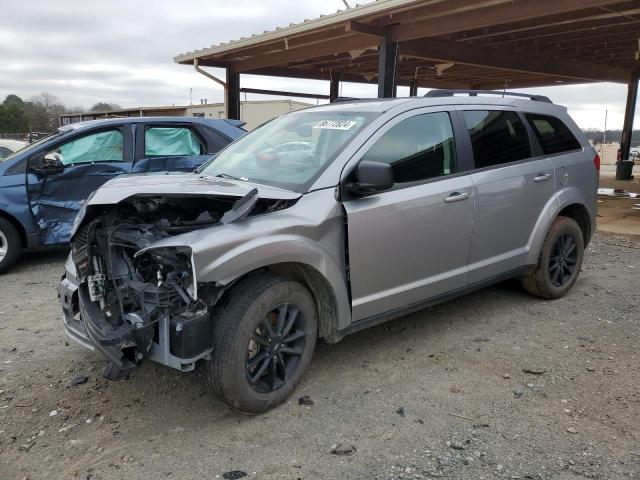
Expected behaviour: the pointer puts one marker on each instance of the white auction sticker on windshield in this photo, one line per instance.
(335, 124)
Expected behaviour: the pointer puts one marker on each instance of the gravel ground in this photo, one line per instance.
(497, 384)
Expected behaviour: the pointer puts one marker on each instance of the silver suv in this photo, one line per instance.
(391, 206)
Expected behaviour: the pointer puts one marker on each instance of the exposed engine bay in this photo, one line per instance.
(139, 303)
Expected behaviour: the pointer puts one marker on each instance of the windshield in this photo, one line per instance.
(28, 146)
(291, 151)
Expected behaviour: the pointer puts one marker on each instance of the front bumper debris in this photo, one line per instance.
(73, 326)
(85, 325)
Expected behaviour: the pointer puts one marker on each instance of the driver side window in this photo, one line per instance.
(104, 146)
(418, 148)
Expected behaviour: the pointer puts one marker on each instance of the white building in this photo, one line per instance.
(254, 112)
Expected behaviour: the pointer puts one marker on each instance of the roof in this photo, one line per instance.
(448, 43)
(385, 104)
(222, 125)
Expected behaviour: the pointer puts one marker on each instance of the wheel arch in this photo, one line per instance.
(18, 226)
(321, 290)
(569, 202)
(292, 257)
(580, 214)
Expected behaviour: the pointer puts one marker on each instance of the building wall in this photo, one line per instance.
(608, 152)
(255, 113)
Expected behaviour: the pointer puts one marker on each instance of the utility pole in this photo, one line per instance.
(604, 134)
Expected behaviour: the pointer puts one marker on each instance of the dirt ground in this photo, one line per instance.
(443, 393)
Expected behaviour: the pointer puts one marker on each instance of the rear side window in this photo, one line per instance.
(417, 148)
(554, 136)
(170, 141)
(497, 137)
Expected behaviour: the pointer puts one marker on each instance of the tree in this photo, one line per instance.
(12, 115)
(104, 107)
(43, 112)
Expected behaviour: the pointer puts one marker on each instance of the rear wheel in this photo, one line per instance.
(559, 262)
(10, 247)
(264, 339)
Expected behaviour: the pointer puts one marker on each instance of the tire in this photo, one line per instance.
(10, 245)
(562, 250)
(277, 362)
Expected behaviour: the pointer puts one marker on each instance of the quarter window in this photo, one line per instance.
(497, 137)
(417, 148)
(554, 136)
(105, 146)
(170, 141)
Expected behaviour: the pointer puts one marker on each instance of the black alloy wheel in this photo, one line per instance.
(563, 259)
(275, 348)
(264, 335)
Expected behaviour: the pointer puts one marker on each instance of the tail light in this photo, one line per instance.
(596, 162)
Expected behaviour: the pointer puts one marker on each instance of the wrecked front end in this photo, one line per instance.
(131, 300)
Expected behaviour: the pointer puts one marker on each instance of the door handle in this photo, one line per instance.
(542, 177)
(457, 197)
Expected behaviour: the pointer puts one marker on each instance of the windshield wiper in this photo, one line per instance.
(231, 177)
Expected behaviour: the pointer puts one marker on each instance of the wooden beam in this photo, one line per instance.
(551, 32)
(491, 16)
(448, 51)
(330, 47)
(366, 29)
(559, 22)
(284, 94)
(439, 9)
(631, 33)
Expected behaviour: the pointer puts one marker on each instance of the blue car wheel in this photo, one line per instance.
(10, 247)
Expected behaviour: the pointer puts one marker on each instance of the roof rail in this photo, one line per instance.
(345, 99)
(474, 93)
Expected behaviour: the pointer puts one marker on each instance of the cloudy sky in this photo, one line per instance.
(122, 52)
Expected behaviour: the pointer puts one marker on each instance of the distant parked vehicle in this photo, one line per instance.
(9, 147)
(43, 186)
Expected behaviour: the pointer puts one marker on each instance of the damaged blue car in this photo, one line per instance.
(43, 186)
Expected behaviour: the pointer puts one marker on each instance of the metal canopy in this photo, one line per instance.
(471, 44)
(459, 44)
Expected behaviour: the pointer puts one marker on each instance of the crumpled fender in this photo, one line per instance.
(224, 253)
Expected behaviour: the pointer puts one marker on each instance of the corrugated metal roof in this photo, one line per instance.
(354, 13)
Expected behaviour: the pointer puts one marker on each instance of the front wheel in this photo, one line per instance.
(264, 337)
(559, 262)
(10, 246)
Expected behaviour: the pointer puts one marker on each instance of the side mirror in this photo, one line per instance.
(51, 165)
(371, 177)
